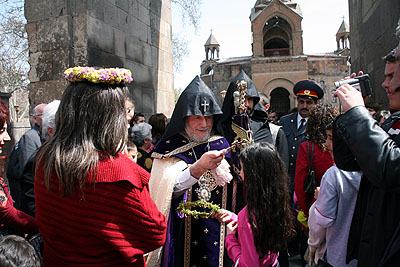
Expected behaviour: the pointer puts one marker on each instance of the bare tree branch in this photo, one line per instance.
(190, 12)
(14, 65)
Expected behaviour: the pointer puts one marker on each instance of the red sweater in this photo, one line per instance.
(321, 161)
(13, 218)
(112, 224)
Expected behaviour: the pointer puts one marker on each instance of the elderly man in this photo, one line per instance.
(375, 230)
(308, 93)
(27, 176)
(22, 151)
(186, 162)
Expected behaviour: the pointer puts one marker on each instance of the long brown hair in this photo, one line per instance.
(267, 195)
(91, 120)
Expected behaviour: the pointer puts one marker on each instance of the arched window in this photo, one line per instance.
(280, 102)
(277, 36)
(209, 71)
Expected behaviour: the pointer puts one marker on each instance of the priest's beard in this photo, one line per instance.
(194, 137)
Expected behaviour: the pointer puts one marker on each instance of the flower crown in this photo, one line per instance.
(106, 75)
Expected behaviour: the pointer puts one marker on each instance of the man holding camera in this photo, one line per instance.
(374, 238)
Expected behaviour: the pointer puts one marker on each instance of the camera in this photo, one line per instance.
(361, 83)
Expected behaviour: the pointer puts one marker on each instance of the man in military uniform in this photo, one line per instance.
(308, 93)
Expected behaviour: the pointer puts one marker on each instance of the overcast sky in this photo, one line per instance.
(229, 20)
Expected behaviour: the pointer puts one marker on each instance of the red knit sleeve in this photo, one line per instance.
(14, 218)
(302, 163)
(138, 227)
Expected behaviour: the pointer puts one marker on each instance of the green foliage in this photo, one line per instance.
(185, 208)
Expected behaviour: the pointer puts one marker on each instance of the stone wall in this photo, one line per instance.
(223, 75)
(372, 27)
(326, 71)
(109, 33)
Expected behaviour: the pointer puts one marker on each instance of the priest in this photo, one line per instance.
(189, 164)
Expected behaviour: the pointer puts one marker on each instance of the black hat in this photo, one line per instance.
(196, 99)
(308, 89)
(225, 123)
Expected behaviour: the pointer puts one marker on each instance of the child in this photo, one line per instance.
(265, 224)
(131, 150)
(16, 251)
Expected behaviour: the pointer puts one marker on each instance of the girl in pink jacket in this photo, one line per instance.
(265, 224)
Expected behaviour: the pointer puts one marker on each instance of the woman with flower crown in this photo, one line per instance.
(92, 202)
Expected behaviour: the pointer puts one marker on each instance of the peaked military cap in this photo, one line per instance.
(308, 89)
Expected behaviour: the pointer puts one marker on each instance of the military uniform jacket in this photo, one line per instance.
(294, 138)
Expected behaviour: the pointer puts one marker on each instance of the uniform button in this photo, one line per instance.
(292, 156)
(293, 147)
(291, 163)
(295, 139)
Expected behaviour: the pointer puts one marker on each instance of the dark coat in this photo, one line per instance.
(374, 238)
(294, 139)
(27, 187)
(27, 145)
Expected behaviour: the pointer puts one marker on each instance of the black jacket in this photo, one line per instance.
(27, 145)
(294, 138)
(374, 238)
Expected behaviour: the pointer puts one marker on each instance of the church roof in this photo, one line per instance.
(261, 5)
(344, 28)
(235, 60)
(211, 40)
(323, 54)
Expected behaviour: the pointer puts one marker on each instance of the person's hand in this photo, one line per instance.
(353, 75)
(316, 192)
(208, 161)
(311, 257)
(223, 217)
(349, 97)
(231, 228)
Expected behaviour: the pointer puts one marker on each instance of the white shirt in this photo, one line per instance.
(184, 181)
(299, 117)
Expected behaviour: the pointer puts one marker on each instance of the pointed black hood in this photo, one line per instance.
(196, 99)
(228, 107)
(251, 90)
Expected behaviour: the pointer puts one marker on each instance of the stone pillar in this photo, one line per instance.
(134, 34)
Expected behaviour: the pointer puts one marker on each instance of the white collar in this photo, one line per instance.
(299, 117)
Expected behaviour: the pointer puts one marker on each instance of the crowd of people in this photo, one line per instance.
(95, 183)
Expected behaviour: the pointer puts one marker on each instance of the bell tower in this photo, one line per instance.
(212, 55)
(343, 39)
(212, 48)
(276, 28)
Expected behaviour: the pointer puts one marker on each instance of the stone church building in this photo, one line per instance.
(278, 61)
